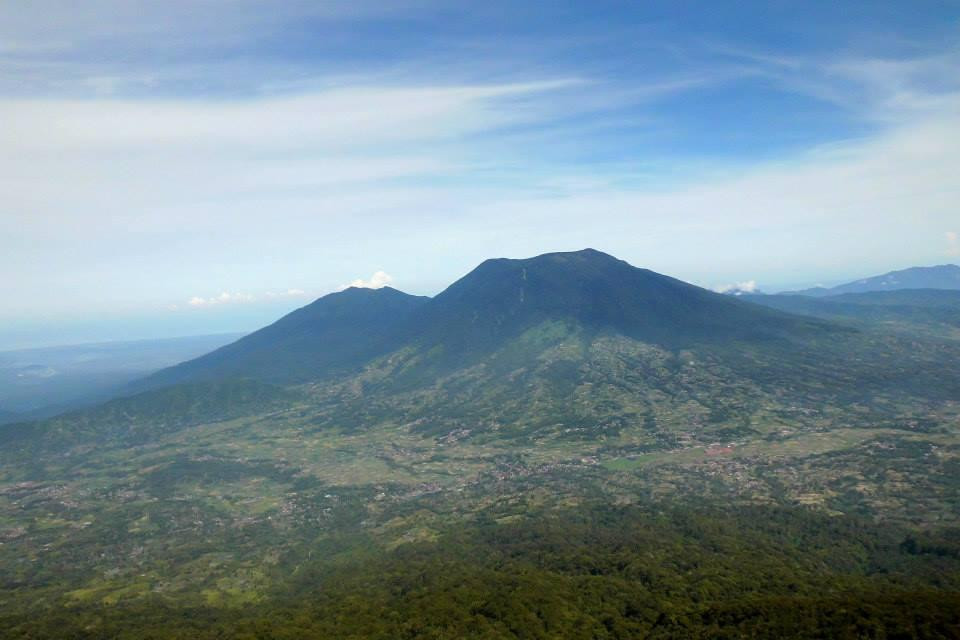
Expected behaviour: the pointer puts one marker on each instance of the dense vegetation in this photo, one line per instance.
(598, 572)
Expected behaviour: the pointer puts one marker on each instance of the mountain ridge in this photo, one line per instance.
(944, 276)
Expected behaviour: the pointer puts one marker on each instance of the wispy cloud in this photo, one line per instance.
(147, 154)
(880, 89)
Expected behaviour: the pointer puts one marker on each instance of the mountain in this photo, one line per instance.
(502, 298)
(574, 343)
(945, 276)
(482, 313)
(561, 446)
(338, 332)
(578, 343)
(8, 416)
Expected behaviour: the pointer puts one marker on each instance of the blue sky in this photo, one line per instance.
(203, 166)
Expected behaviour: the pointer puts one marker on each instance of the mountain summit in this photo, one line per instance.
(502, 297)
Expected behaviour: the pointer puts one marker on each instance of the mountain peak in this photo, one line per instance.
(587, 254)
(329, 335)
(369, 291)
(592, 290)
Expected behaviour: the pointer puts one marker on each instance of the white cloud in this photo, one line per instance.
(146, 162)
(332, 119)
(748, 286)
(224, 298)
(378, 280)
(953, 243)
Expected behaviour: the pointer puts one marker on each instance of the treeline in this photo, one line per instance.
(597, 573)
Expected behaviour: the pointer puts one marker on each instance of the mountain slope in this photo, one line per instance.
(147, 416)
(945, 276)
(583, 345)
(338, 332)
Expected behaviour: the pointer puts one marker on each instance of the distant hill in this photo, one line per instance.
(945, 276)
(918, 311)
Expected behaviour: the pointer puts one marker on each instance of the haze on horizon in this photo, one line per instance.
(192, 167)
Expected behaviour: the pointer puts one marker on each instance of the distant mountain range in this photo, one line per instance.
(945, 276)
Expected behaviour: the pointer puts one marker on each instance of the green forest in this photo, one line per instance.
(690, 571)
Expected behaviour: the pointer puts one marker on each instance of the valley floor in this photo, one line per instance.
(274, 521)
